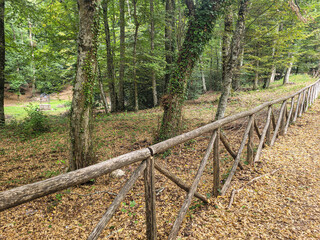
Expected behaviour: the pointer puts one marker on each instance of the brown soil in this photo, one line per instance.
(12, 99)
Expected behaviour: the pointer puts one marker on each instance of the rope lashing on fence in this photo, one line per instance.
(305, 98)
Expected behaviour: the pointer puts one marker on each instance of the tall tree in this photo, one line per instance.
(81, 109)
(232, 59)
(198, 34)
(122, 55)
(2, 61)
(110, 63)
(153, 73)
(135, 42)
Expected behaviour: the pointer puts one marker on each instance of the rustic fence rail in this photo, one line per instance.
(297, 102)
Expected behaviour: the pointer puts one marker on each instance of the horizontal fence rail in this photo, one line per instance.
(277, 123)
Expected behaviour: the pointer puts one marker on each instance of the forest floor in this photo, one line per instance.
(283, 203)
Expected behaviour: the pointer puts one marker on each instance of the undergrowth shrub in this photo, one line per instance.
(35, 123)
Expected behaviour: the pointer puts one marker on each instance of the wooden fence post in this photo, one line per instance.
(289, 118)
(216, 165)
(297, 108)
(250, 144)
(150, 199)
(302, 104)
(281, 113)
(283, 120)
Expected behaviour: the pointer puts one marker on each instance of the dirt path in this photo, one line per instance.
(284, 205)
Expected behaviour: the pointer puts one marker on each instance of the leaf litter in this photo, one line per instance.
(283, 205)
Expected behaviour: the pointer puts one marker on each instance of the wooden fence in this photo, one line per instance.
(291, 107)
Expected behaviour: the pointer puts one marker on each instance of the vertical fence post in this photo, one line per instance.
(283, 120)
(216, 165)
(250, 144)
(302, 104)
(297, 108)
(150, 199)
(268, 133)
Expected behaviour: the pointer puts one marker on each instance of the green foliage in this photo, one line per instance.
(35, 123)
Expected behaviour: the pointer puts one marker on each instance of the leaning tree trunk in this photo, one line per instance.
(110, 65)
(2, 62)
(197, 36)
(232, 59)
(81, 110)
(122, 55)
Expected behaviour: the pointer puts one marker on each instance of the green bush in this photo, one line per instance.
(36, 121)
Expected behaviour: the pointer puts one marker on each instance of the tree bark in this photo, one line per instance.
(169, 41)
(122, 55)
(32, 44)
(110, 64)
(81, 110)
(204, 85)
(153, 73)
(288, 72)
(135, 83)
(197, 36)
(256, 78)
(227, 38)
(102, 93)
(2, 62)
(232, 59)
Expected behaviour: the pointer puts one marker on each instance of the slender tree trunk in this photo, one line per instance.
(226, 39)
(204, 85)
(153, 73)
(81, 110)
(232, 59)
(169, 41)
(32, 44)
(122, 55)
(110, 64)
(236, 80)
(102, 93)
(256, 78)
(2, 62)
(288, 71)
(135, 82)
(197, 36)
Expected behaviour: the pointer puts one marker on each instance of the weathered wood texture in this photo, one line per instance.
(227, 145)
(250, 144)
(116, 202)
(216, 164)
(32, 191)
(237, 160)
(187, 202)
(178, 181)
(150, 199)
(263, 135)
(275, 134)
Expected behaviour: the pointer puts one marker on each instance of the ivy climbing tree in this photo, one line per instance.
(199, 32)
(81, 110)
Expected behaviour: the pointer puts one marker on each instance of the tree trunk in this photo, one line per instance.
(122, 55)
(236, 80)
(204, 85)
(169, 41)
(32, 44)
(2, 62)
(102, 93)
(197, 36)
(232, 59)
(153, 73)
(136, 23)
(286, 77)
(256, 78)
(227, 38)
(110, 64)
(81, 110)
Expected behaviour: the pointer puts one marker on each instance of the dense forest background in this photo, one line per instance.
(41, 46)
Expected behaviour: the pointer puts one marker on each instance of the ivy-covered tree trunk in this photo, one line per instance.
(81, 109)
(198, 34)
(2, 62)
(232, 59)
(122, 56)
(110, 64)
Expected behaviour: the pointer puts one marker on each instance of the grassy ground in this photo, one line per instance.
(74, 212)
